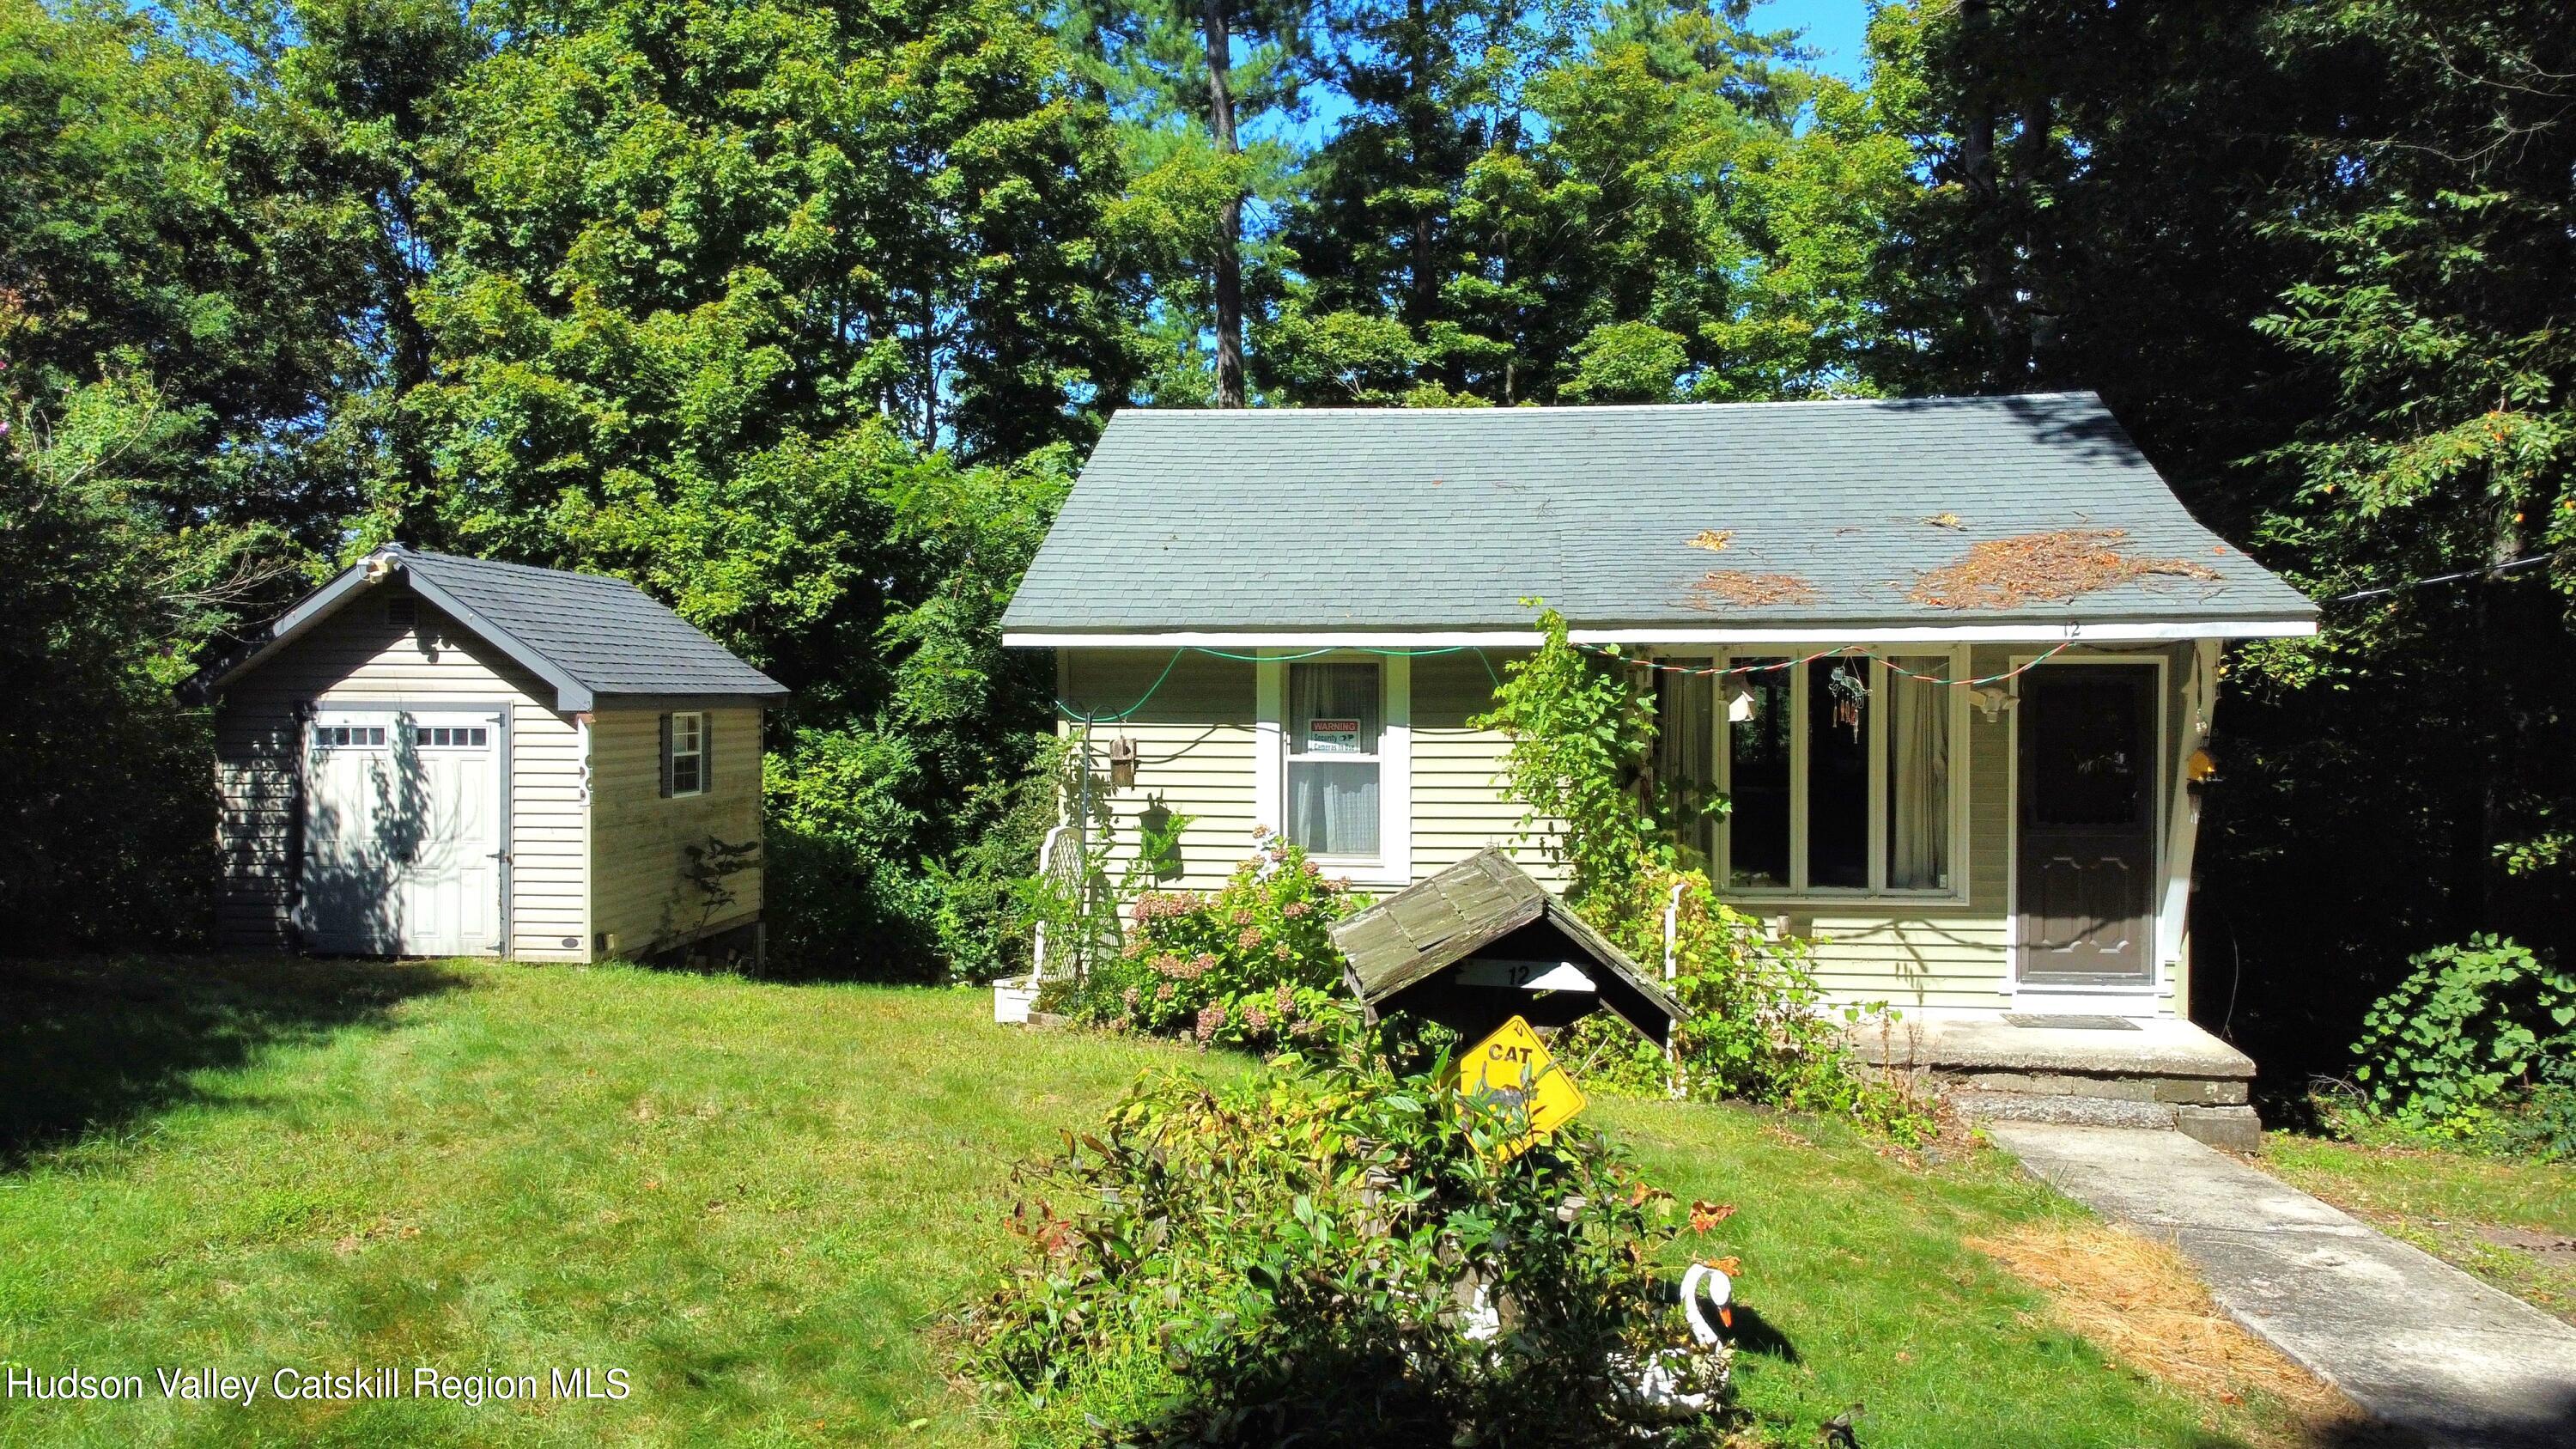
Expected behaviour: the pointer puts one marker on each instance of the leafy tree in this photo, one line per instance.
(1529, 205)
(2313, 257)
(1188, 79)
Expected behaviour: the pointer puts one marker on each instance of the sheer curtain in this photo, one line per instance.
(1333, 770)
(1918, 777)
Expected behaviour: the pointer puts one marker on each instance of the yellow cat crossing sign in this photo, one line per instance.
(1512, 1066)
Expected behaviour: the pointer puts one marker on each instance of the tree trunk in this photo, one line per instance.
(1229, 222)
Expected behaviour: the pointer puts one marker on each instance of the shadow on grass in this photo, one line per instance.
(90, 1047)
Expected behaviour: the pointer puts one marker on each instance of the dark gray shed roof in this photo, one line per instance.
(1445, 918)
(1429, 519)
(595, 639)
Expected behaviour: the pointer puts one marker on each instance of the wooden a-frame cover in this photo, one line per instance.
(1410, 937)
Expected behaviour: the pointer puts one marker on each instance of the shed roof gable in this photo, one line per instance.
(592, 638)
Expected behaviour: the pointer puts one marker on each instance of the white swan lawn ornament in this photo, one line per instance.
(1684, 1382)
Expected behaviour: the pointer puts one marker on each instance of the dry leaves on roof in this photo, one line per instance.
(1745, 590)
(1713, 539)
(2002, 573)
(2142, 1303)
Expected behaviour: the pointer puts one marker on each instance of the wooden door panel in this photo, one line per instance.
(2086, 824)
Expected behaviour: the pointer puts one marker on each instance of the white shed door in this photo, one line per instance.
(402, 842)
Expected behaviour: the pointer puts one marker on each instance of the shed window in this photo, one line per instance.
(446, 737)
(689, 753)
(1336, 720)
(342, 737)
(1838, 772)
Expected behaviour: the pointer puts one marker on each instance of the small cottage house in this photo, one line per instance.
(1951, 662)
(443, 756)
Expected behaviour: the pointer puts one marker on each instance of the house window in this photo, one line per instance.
(445, 737)
(1839, 772)
(1336, 729)
(688, 754)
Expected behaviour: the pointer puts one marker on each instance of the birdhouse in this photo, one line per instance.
(1122, 763)
(1481, 943)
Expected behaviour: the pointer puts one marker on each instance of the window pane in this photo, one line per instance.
(1757, 732)
(1333, 709)
(1332, 808)
(684, 774)
(1685, 761)
(1838, 772)
(1918, 775)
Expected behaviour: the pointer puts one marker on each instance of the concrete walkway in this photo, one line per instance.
(2412, 1340)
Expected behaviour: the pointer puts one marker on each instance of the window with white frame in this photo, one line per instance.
(1840, 773)
(1336, 729)
(688, 753)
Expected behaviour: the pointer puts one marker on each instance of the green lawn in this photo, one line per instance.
(764, 1202)
(2492, 1217)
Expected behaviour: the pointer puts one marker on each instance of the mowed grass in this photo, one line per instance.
(766, 1203)
(2497, 1218)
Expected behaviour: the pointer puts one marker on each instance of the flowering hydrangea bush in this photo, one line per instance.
(1252, 965)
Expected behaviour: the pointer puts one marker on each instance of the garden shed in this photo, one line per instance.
(434, 755)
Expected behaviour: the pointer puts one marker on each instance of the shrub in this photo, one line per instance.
(2469, 1031)
(1252, 965)
(1299, 1257)
(1757, 1027)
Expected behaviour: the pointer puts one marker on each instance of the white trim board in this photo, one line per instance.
(2073, 633)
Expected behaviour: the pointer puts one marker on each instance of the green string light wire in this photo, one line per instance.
(1893, 667)
(1169, 665)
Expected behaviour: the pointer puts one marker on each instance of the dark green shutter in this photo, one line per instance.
(666, 757)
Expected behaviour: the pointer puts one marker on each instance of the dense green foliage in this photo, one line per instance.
(1252, 964)
(1581, 730)
(1298, 1256)
(2476, 1028)
(798, 313)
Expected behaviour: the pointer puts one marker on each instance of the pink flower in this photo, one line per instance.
(1163, 992)
(1280, 951)
(1286, 998)
(1211, 1018)
(1255, 1020)
(1250, 938)
(1130, 997)
(1296, 909)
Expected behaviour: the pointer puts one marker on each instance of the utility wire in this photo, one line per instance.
(2488, 572)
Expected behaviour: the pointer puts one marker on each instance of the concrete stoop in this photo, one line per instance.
(2163, 1074)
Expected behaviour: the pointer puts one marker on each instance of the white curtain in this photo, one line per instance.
(1918, 783)
(1332, 796)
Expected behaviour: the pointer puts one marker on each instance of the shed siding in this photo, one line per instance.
(357, 657)
(639, 841)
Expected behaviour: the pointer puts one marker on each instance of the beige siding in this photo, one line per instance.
(356, 657)
(1194, 744)
(1197, 738)
(641, 894)
(1459, 806)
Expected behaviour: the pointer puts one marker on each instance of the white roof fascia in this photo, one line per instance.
(2072, 633)
(571, 695)
(294, 623)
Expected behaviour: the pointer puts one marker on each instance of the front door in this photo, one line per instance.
(2085, 872)
(402, 839)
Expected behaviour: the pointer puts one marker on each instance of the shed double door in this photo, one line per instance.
(403, 845)
(2085, 837)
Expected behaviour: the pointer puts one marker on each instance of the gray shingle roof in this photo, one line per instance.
(612, 636)
(593, 639)
(1448, 518)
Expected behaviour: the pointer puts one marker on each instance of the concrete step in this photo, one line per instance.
(2232, 1126)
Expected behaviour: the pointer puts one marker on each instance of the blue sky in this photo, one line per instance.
(1834, 29)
